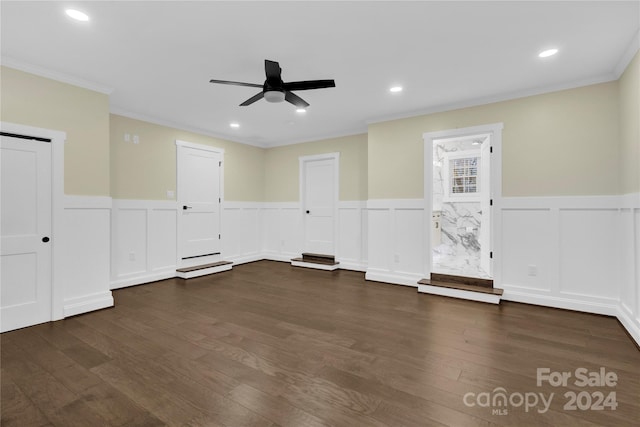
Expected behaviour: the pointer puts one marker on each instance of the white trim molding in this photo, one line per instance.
(58, 139)
(55, 75)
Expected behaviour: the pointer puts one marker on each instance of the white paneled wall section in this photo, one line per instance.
(143, 245)
(396, 241)
(579, 253)
(254, 231)
(85, 254)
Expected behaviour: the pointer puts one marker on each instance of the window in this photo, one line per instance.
(462, 178)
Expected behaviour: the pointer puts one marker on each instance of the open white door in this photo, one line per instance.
(25, 248)
(485, 206)
(319, 187)
(199, 176)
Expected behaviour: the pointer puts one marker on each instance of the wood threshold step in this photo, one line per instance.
(318, 257)
(461, 286)
(317, 261)
(464, 280)
(203, 266)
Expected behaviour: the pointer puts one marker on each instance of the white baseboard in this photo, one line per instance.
(245, 259)
(352, 266)
(609, 308)
(146, 278)
(271, 256)
(393, 278)
(84, 304)
(459, 293)
(632, 327)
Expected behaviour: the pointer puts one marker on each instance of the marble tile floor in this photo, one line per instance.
(458, 265)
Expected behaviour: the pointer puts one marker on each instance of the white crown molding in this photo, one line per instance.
(494, 98)
(342, 134)
(54, 75)
(168, 123)
(628, 55)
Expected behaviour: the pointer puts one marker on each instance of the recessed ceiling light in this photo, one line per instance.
(395, 89)
(77, 15)
(234, 125)
(301, 110)
(547, 53)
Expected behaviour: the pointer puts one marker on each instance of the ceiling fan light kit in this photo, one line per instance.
(274, 96)
(275, 90)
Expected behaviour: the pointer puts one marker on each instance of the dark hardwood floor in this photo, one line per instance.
(267, 344)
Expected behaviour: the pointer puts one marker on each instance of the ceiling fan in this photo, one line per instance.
(275, 90)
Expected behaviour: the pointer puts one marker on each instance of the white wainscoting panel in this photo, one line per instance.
(589, 253)
(352, 235)
(572, 243)
(529, 243)
(579, 253)
(396, 241)
(629, 310)
(242, 231)
(143, 243)
(281, 231)
(86, 254)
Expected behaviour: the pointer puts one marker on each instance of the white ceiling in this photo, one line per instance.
(158, 57)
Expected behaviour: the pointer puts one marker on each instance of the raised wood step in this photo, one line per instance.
(460, 290)
(461, 286)
(310, 257)
(474, 281)
(204, 269)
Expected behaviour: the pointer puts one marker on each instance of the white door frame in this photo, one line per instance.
(58, 139)
(303, 160)
(211, 149)
(495, 131)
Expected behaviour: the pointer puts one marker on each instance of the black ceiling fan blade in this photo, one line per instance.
(295, 100)
(253, 99)
(272, 70)
(309, 84)
(226, 82)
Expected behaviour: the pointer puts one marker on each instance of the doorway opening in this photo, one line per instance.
(319, 187)
(462, 185)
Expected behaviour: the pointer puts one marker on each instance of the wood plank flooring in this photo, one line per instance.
(267, 344)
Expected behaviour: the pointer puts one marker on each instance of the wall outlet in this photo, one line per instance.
(132, 256)
(127, 137)
(532, 270)
(136, 139)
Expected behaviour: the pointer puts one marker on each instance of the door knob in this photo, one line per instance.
(184, 208)
(308, 212)
(45, 239)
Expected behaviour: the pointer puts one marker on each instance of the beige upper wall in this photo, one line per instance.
(556, 144)
(83, 114)
(629, 98)
(148, 169)
(282, 183)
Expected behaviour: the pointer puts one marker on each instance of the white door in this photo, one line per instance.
(199, 201)
(485, 206)
(25, 248)
(319, 202)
